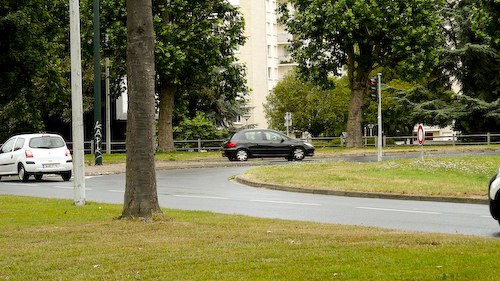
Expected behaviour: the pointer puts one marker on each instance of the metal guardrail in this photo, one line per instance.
(180, 145)
(211, 145)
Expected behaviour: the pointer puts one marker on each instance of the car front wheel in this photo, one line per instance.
(241, 155)
(298, 154)
(22, 174)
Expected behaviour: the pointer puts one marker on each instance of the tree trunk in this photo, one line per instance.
(355, 119)
(141, 198)
(165, 129)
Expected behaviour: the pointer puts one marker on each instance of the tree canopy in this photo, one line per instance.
(33, 64)
(314, 110)
(361, 35)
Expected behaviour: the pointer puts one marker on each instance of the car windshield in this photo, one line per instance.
(46, 142)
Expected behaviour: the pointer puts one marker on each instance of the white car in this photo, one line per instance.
(494, 195)
(35, 154)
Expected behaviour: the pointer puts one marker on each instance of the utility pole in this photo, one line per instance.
(77, 103)
(379, 117)
(97, 88)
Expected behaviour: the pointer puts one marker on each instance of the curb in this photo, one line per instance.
(361, 194)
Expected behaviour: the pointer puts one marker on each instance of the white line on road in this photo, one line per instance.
(69, 187)
(204, 197)
(397, 210)
(284, 202)
(22, 184)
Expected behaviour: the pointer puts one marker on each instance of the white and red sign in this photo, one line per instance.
(420, 134)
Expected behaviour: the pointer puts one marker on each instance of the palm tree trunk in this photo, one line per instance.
(141, 198)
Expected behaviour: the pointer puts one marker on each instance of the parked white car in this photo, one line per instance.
(35, 154)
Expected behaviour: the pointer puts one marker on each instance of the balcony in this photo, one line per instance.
(285, 38)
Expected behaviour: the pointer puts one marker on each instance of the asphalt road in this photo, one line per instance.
(210, 189)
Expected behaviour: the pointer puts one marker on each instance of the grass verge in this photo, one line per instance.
(50, 239)
(466, 176)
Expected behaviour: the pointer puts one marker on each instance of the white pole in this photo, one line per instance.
(77, 103)
(379, 117)
(108, 110)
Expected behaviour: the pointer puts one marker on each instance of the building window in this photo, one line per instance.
(269, 72)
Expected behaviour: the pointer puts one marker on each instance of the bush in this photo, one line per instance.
(199, 127)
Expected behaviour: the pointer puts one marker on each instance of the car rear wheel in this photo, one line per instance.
(66, 175)
(21, 173)
(241, 155)
(298, 154)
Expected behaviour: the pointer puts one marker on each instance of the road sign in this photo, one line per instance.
(421, 134)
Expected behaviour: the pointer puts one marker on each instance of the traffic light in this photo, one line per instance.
(373, 89)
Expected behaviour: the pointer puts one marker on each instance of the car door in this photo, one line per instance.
(256, 143)
(7, 161)
(278, 144)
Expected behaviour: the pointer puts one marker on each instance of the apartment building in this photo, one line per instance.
(264, 54)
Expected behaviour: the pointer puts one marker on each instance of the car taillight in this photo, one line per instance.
(28, 153)
(231, 144)
(68, 153)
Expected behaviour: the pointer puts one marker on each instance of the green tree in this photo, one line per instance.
(34, 64)
(362, 35)
(141, 198)
(195, 43)
(199, 127)
(315, 110)
(195, 63)
(475, 65)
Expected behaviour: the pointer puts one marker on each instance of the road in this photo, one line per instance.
(210, 189)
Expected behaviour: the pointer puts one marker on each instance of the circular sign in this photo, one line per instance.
(420, 134)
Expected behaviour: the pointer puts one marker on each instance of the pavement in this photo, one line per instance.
(120, 168)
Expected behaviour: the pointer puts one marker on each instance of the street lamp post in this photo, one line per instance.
(246, 116)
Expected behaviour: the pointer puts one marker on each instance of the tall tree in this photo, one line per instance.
(195, 49)
(34, 63)
(195, 62)
(141, 198)
(313, 109)
(475, 66)
(361, 35)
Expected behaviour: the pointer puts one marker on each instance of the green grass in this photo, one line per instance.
(443, 176)
(50, 239)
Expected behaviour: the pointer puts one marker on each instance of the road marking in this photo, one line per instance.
(398, 210)
(204, 197)
(69, 187)
(284, 202)
(23, 184)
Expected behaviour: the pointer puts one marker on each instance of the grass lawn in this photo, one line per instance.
(50, 239)
(466, 176)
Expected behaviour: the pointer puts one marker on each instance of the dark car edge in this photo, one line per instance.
(264, 143)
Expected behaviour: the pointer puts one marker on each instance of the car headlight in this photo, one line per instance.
(308, 145)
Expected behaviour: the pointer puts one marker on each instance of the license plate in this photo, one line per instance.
(49, 166)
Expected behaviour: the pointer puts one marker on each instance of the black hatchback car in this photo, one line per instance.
(260, 143)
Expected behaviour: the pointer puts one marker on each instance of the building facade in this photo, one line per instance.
(264, 54)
